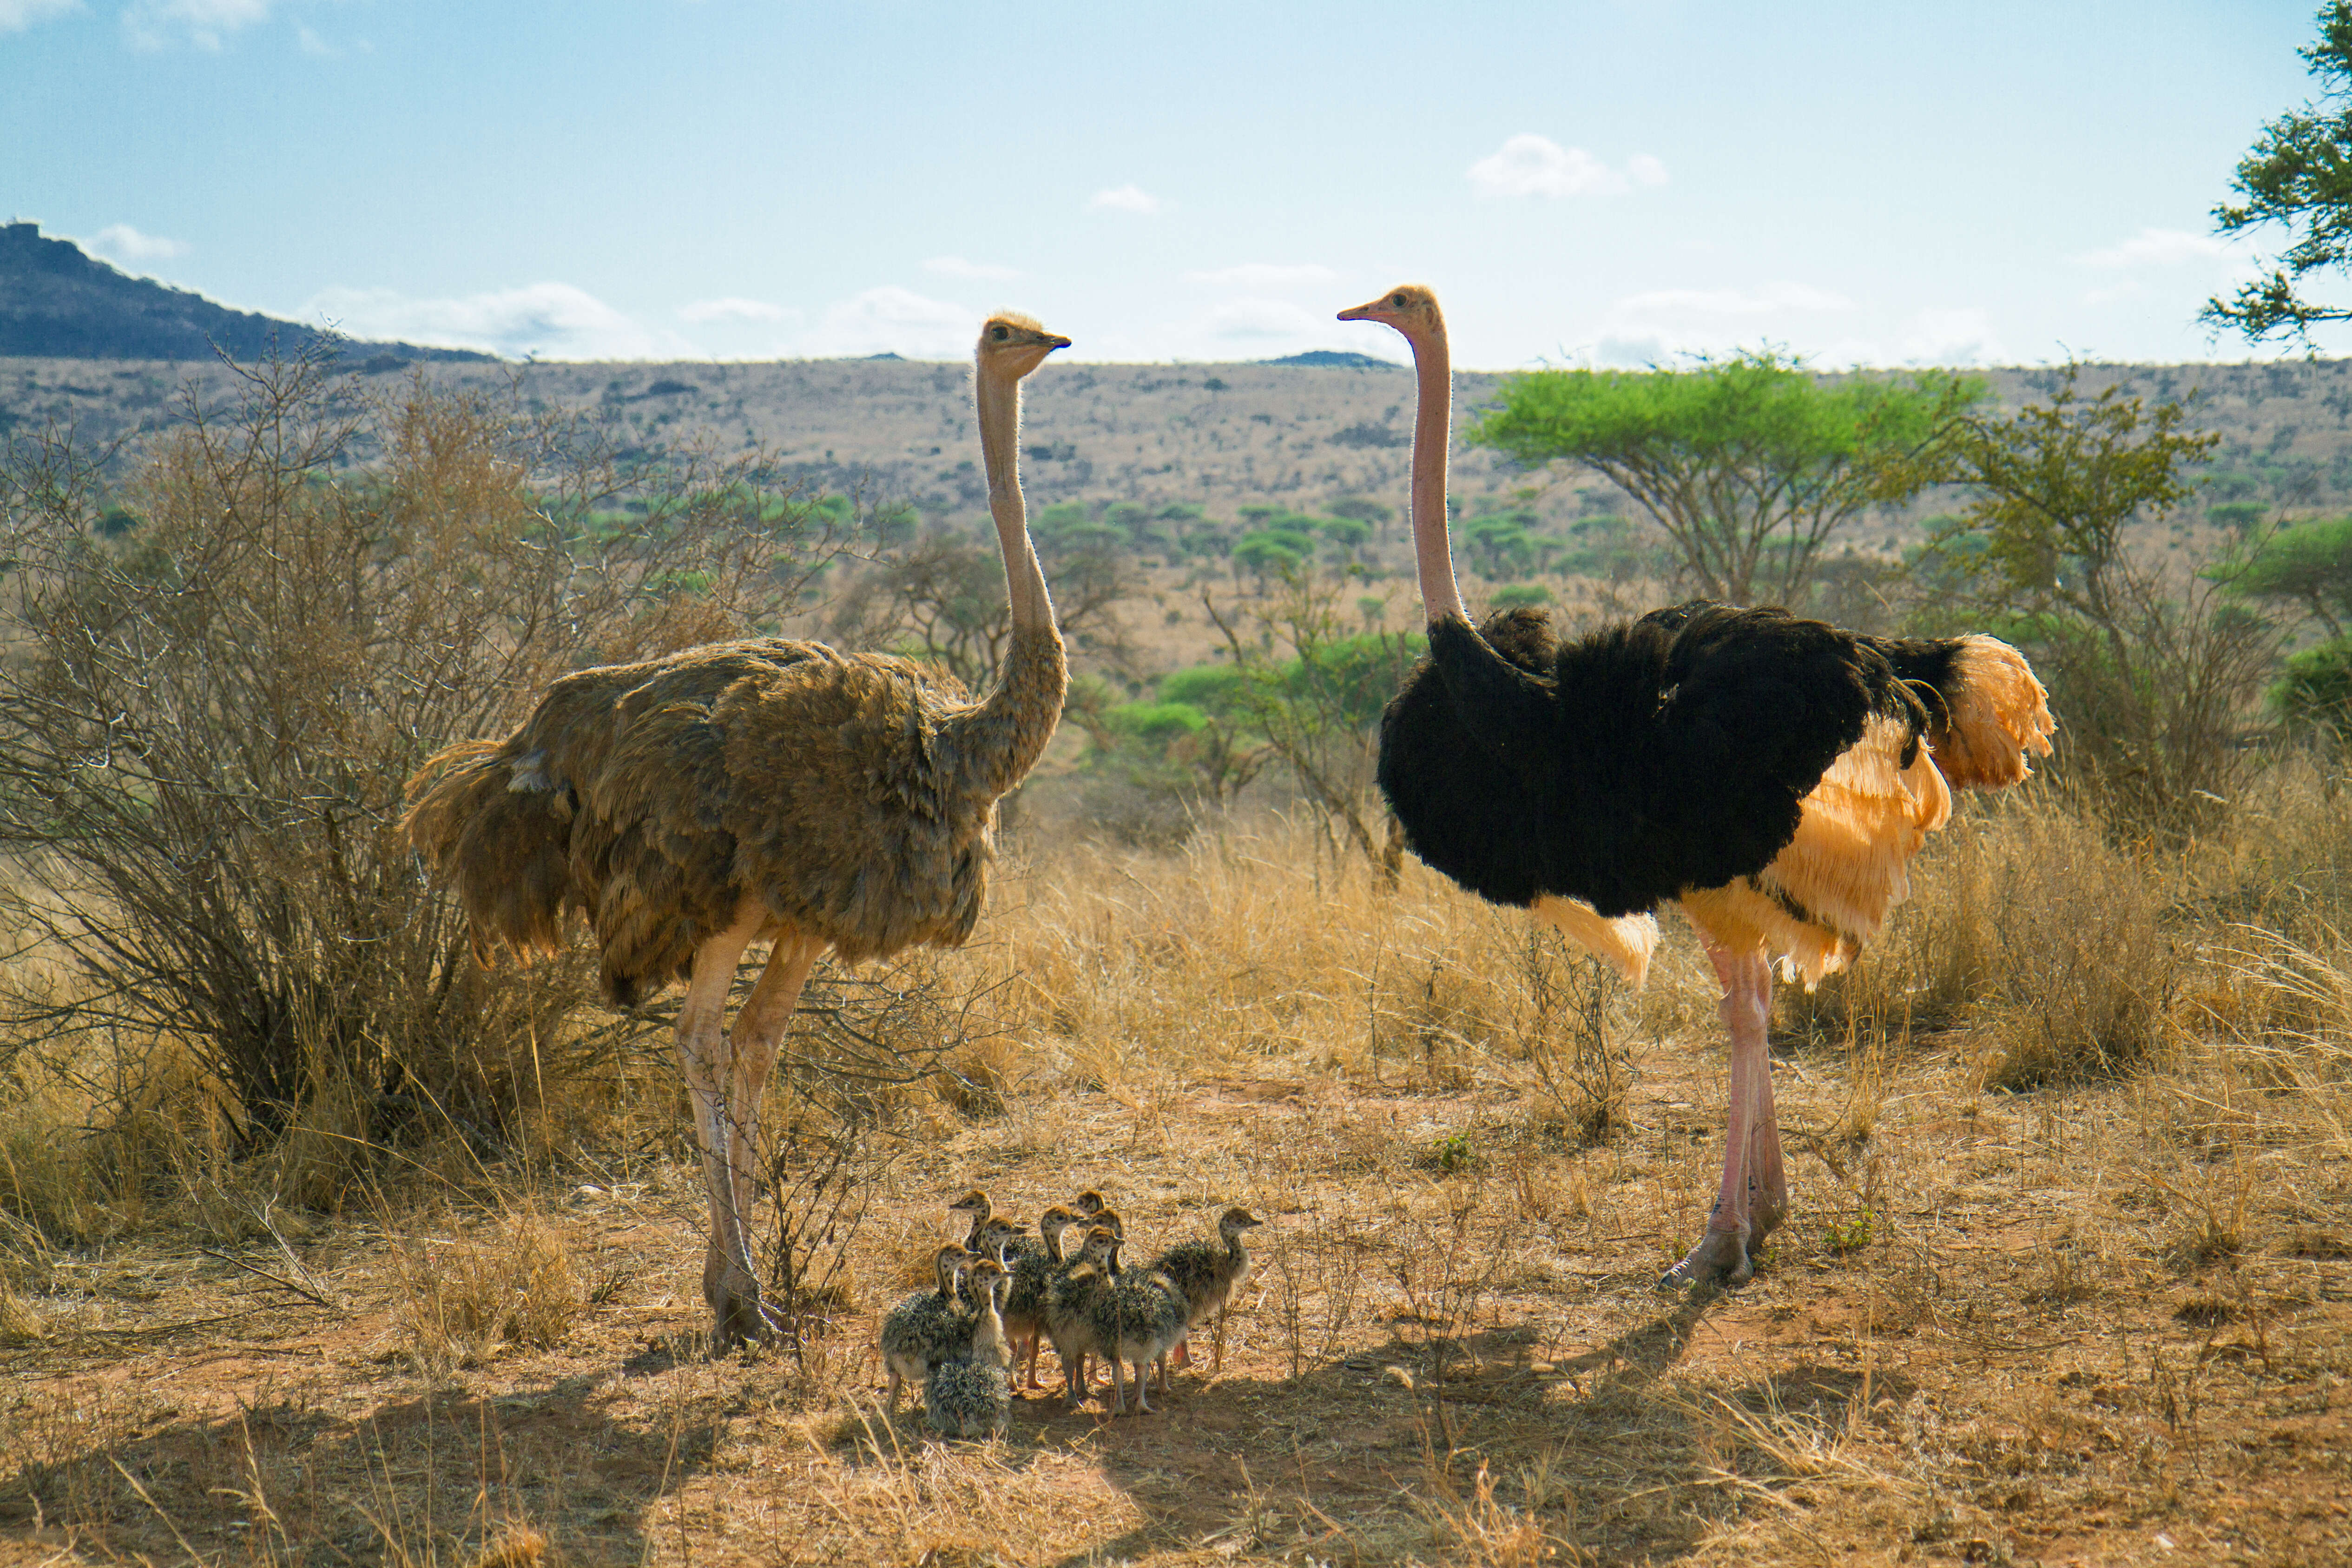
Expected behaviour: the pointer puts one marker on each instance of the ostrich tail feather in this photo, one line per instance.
(1999, 711)
(1625, 942)
(491, 830)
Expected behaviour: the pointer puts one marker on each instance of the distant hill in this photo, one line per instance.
(58, 303)
(1333, 359)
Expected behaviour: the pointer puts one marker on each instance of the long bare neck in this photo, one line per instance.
(999, 397)
(1000, 738)
(1433, 429)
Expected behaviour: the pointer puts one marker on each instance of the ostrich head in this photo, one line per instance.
(950, 1258)
(1236, 1220)
(980, 1277)
(996, 1234)
(1011, 345)
(974, 1201)
(1101, 1242)
(1409, 308)
(1090, 1203)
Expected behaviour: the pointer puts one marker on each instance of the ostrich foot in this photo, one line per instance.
(1719, 1259)
(738, 1314)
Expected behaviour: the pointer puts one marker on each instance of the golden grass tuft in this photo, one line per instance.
(460, 1301)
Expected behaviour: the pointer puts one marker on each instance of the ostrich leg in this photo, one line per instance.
(704, 1056)
(1722, 1253)
(758, 1035)
(1767, 1184)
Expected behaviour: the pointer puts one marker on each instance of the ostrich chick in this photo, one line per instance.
(1024, 1304)
(1070, 1291)
(915, 1330)
(1207, 1275)
(973, 1396)
(1134, 1319)
(762, 791)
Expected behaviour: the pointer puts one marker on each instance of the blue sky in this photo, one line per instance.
(1865, 184)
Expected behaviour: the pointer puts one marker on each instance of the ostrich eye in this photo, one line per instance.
(1397, 300)
(999, 333)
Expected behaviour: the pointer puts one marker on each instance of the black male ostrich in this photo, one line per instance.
(1771, 776)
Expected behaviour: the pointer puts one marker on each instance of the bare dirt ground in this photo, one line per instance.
(2109, 1324)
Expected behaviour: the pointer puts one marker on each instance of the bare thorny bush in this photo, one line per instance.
(205, 724)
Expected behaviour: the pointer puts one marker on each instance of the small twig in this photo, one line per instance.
(275, 1279)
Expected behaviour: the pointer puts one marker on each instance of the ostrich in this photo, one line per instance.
(757, 791)
(1207, 1275)
(1766, 774)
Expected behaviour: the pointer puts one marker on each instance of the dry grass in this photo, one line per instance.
(2051, 1316)
(460, 1301)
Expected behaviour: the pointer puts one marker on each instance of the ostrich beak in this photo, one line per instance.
(1054, 340)
(1374, 310)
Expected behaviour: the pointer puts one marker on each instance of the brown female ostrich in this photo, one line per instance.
(757, 791)
(1771, 776)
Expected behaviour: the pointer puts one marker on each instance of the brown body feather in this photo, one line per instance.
(851, 795)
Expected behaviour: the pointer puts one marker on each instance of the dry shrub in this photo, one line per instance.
(208, 718)
(2083, 978)
(460, 1301)
(1483, 1530)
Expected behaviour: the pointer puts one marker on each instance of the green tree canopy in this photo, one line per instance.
(1749, 464)
(2152, 679)
(2298, 176)
(2309, 566)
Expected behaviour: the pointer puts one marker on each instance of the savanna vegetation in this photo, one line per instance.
(319, 1242)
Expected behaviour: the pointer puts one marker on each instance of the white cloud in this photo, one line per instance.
(1126, 199)
(2155, 247)
(16, 16)
(152, 24)
(732, 309)
(313, 45)
(974, 271)
(553, 320)
(1532, 165)
(1663, 326)
(1267, 275)
(1939, 336)
(1254, 319)
(891, 319)
(120, 242)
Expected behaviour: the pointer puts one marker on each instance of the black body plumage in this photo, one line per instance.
(1625, 767)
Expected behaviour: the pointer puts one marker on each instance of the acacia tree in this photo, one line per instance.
(942, 598)
(1750, 465)
(2298, 175)
(1313, 689)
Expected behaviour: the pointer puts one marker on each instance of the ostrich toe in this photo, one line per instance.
(1719, 1259)
(739, 1314)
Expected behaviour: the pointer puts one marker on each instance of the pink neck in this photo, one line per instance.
(1432, 428)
